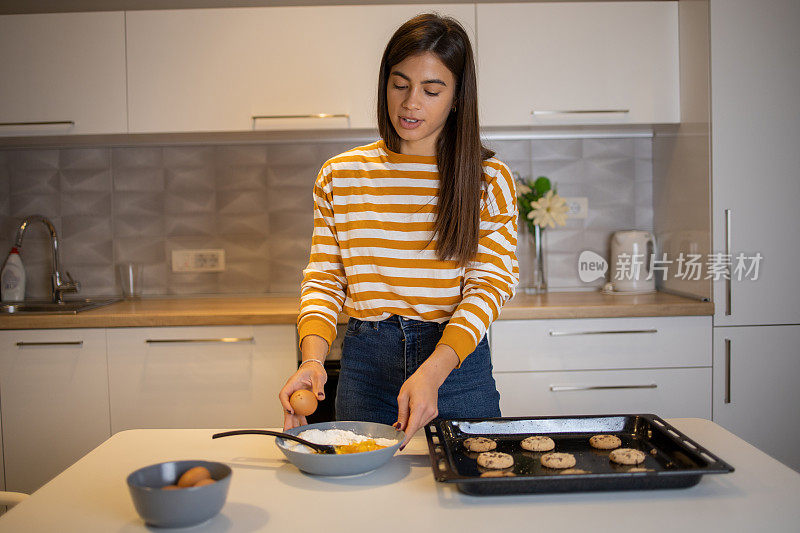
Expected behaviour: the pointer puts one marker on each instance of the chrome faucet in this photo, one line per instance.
(58, 286)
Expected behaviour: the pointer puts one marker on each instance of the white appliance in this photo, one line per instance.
(631, 262)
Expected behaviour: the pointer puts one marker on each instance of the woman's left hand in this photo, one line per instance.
(418, 399)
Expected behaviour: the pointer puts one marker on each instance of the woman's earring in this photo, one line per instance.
(452, 109)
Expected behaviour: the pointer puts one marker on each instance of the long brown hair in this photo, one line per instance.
(459, 151)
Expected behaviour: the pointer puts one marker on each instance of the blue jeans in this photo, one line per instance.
(377, 358)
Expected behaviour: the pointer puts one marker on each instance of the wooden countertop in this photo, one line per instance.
(244, 310)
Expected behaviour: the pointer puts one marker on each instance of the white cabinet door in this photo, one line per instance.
(756, 393)
(601, 343)
(217, 69)
(199, 377)
(54, 399)
(755, 115)
(64, 68)
(673, 392)
(619, 58)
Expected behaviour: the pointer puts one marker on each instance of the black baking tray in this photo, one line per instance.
(672, 459)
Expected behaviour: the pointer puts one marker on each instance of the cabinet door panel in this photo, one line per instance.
(597, 343)
(678, 392)
(608, 56)
(54, 402)
(755, 113)
(189, 378)
(763, 395)
(216, 69)
(63, 67)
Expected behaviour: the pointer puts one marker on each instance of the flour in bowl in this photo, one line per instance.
(335, 437)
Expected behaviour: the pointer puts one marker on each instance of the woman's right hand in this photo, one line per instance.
(310, 376)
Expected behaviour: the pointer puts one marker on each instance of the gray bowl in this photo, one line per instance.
(178, 508)
(345, 464)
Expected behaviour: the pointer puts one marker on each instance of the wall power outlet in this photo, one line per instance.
(578, 206)
(208, 260)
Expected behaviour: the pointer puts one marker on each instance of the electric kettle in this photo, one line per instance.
(631, 261)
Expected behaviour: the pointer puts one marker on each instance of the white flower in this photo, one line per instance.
(522, 189)
(549, 210)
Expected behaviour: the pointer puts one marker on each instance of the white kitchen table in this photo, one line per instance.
(267, 493)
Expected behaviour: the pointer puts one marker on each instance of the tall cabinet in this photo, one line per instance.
(755, 115)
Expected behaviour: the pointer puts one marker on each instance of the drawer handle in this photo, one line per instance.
(44, 123)
(179, 341)
(52, 343)
(580, 111)
(607, 332)
(312, 115)
(564, 388)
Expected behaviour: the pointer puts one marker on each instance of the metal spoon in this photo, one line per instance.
(321, 448)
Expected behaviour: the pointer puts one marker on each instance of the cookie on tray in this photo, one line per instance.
(498, 473)
(574, 471)
(538, 443)
(605, 442)
(558, 460)
(495, 460)
(479, 444)
(627, 456)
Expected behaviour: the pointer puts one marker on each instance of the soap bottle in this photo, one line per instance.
(12, 278)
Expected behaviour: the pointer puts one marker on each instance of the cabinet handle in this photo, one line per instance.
(607, 332)
(222, 339)
(728, 303)
(578, 111)
(727, 371)
(564, 388)
(312, 115)
(45, 123)
(53, 343)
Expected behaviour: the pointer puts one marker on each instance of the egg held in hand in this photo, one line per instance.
(303, 402)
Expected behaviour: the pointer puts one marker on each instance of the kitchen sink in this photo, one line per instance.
(43, 307)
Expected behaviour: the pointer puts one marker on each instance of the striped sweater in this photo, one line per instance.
(372, 253)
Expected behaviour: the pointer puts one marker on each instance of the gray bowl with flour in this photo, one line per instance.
(344, 464)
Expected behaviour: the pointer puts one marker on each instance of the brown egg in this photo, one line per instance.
(193, 475)
(170, 487)
(202, 482)
(303, 402)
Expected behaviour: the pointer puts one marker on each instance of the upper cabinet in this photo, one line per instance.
(261, 68)
(578, 63)
(64, 70)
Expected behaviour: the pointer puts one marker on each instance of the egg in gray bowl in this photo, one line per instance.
(182, 507)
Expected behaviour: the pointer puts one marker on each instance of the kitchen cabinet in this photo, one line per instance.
(755, 115)
(755, 387)
(54, 403)
(555, 63)
(199, 377)
(219, 69)
(598, 366)
(66, 68)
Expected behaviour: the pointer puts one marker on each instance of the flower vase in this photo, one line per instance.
(538, 283)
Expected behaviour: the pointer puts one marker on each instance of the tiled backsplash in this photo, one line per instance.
(118, 204)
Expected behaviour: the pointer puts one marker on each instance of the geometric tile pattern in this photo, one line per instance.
(117, 204)
(615, 174)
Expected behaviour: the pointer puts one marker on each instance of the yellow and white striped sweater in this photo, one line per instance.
(373, 253)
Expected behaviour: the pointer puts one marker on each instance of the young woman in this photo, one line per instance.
(414, 238)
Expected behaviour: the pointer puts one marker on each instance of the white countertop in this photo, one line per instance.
(269, 494)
